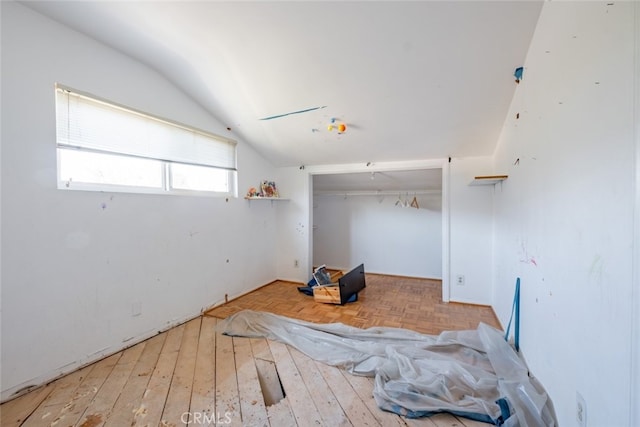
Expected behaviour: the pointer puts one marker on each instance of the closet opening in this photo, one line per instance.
(395, 222)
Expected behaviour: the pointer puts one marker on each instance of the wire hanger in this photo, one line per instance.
(414, 202)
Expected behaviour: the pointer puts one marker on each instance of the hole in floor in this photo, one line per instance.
(272, 390)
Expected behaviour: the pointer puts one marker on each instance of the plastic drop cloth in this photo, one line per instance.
(474, 374)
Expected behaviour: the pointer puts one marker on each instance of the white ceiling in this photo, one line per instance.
(411, 80)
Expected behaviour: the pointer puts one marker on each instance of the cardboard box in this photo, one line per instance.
(328, 294)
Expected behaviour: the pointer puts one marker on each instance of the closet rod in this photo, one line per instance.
(376, 193)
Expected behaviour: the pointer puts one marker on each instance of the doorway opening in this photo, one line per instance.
(394, 221)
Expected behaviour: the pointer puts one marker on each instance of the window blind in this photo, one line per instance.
(91, 124)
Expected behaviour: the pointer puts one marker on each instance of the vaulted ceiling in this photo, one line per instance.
(410, 80)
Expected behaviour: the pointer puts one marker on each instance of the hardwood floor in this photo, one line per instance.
(193, 375)
(400, 302)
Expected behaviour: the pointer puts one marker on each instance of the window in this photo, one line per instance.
(105, 147)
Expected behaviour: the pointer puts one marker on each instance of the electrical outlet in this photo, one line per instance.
(296, 264)
(460, 280)
(581, 410)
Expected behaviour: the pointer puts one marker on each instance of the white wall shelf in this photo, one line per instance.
(271, 199)
(265, 198)
(488, 179)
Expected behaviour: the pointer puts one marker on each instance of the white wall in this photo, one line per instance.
(71, 269)
(372, 230)
(564, 218)
(294, 225)
(471, 222)
(635, 320)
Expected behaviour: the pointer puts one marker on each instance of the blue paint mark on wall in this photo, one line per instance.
(293, 112)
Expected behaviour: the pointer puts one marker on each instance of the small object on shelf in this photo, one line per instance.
(252, 192)
(269, 189)
(488, 179)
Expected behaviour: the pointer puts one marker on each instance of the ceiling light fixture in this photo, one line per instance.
(340, 127)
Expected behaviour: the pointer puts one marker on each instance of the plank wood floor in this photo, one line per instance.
(193, 375)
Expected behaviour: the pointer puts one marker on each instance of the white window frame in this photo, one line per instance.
(191, 147)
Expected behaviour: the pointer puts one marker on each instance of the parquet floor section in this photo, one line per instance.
(193, 375)
(393, 301)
